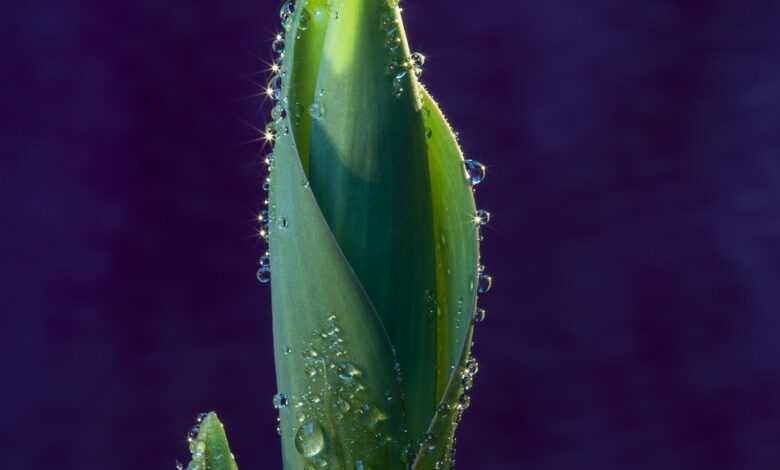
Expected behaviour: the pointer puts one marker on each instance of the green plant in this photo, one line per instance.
(373, 238)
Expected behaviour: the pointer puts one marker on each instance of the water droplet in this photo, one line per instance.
(201, 417)
(479, 315)
(287, 350)
(265, 260)
(280, 401)
(475, 171)
(343, 405)
(482, 217)
(464, 402)
(387, 23)
(469, 371)
(416, 62)
(374, 416)
(485, 283)
(286, 14)
(303, 20)
(348, 371)
(264, 274)
(393, 41)
(278, 113)
(277, 46)
(398, 83)
(310, 440)
(317, 110)
(283, 223)
(274, 89)
(193, 433)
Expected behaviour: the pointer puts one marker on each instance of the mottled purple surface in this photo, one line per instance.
(633, 178)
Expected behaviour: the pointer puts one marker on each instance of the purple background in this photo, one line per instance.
(633, 178)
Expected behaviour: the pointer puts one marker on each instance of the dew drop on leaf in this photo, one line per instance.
(264, 274)
(475, 171)
(286, 14)
(310, 440)
(280, 401)
(482, 217)
(303, 20)
(277, 46)
(479, 315)
(398, 83)
(265, 260)
(274, 89)
(485, 283)
(416, 62)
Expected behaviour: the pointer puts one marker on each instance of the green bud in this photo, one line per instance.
(373, 246)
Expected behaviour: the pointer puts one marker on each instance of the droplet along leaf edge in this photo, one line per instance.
(209, 447)
(450, 186)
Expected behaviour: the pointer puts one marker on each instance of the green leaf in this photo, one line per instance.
(339, 397)
(209, 448)
(457, 255)
(308, 34)
(369, 174)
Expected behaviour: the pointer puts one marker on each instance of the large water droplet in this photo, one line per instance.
(265, 260)
(475, 171)
(485, 283)
(274, 89)
(277, 46)
(482, 217)
(303, 20)
(264, 274)
(416, 62)
(280, 401)
(310, 440)
(286, 14)
(278, 113)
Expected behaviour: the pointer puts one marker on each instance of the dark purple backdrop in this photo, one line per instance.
(633, 178)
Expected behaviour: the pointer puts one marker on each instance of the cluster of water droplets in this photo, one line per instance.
(335, 391)
(399, 65)
(276, 127)
(197, 447)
